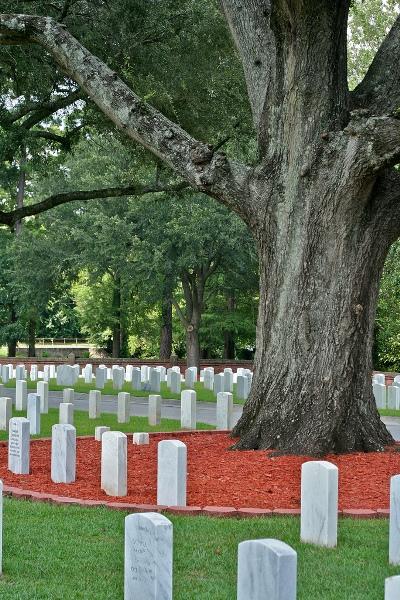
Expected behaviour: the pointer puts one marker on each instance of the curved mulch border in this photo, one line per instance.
(210, 511)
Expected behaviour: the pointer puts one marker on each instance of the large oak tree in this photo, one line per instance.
(322, 203)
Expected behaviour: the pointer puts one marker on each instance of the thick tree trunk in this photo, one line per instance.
(32, 337)
(166, 322)
(320, 265)
(192, 346)
(229, 336)
(116, 304)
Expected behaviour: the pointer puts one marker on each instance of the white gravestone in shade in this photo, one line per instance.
(5, 413)
(208, 380)
(393, 397)
(242, 387)
(145, 372)
(163, 372)
(98, 432)
(224, 410)
(228, 380)
(155, 380)
(4, 374)
(68, 395)
(154, 410)
(219, 381)
(114, 468)
(46, 373)
(33, 374)
(88, 372)
(188, 409)
(42, 389)
(392, 588)
(66, 413)
(171, 473)
(118, 377)
(394, 522)
(33, 413)
(148, 557)
(319, 503)
(136, 379)
(101, 375)
(21, 394)
(175, 382)
(20, 372)
(18, 446)
(141, 439)
(379, 391)
(94, 404)
(190, 377)
(63, 453)
(379, 378)
(52, 371)
(123, 407)
(267, 570)
(66, 375)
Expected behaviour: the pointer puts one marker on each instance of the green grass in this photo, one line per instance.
(54, 552)
(389, 412)
(84, 388)
(85, 426)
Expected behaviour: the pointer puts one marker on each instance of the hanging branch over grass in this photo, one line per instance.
(194, 161)
(10, 218)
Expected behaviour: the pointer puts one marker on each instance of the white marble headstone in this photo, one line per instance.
(171, 473)
(68, 395)
(267, 570)
(66, 413)
(114, 466)
(319, 503)
(188, 409)
(148, 557)
(63, 453)
(141, 439)
(392, 588)
(154, 410)
(21, 394)
(94, 404)
(224, 410)
(5, 413)
(98, 432)
(123, 407)
(18, 446)
(33, 413)
(42, 389)
(394, 521)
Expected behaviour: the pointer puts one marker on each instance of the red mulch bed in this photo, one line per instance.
(216, 476)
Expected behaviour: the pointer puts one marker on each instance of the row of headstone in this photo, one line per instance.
(171, 469)
(267, 568)
(386, 396)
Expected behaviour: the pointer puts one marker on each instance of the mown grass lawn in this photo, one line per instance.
(84, 388)
(85, 426)
(54, 552)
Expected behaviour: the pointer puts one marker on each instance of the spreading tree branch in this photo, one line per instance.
(40, 110)
(379, 91)
(10, 218)
(194, 161)
(250, 28)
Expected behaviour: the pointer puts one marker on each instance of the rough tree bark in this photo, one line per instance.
(116, 310)
(229, 337)
(166, 321)
(323, 205)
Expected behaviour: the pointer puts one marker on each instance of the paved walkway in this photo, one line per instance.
(170, 409)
